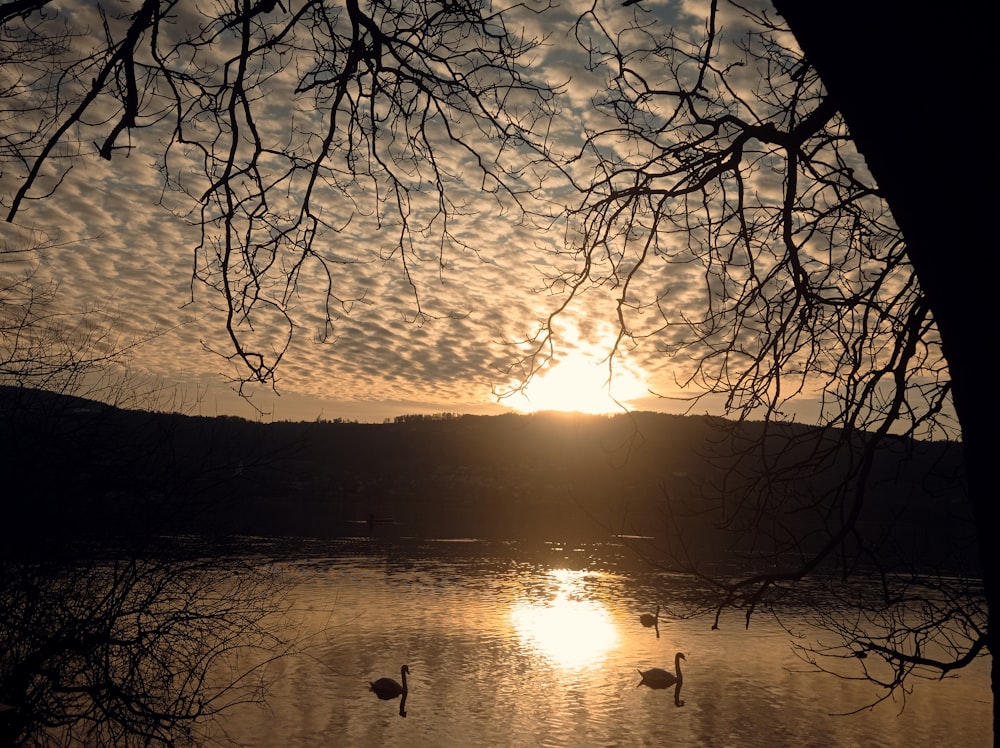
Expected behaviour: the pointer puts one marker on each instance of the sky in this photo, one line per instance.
(114, 241)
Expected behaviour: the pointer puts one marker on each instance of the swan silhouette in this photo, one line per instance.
(649, 620)
(387, 688)
(659, 678)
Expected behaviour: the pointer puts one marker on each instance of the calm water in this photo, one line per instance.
(510, 648)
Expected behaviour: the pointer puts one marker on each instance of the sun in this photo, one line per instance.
(580, 383)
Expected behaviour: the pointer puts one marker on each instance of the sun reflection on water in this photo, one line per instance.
(568, 628)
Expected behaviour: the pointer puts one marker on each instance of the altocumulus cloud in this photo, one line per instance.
(121, 243)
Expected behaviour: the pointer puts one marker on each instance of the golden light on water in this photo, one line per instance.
(569, 629)
(580, 383)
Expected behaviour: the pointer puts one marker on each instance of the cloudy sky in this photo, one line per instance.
(116, 240)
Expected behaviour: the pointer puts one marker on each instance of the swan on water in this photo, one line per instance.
(387, 688)
(649, 620)
(659, 678)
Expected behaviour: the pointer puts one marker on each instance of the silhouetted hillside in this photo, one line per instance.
(76, 467)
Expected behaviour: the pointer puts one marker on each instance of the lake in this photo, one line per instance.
(515, 646)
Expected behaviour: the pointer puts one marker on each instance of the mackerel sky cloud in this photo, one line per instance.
(116, 239)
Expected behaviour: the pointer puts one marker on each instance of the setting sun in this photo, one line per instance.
(580, 383)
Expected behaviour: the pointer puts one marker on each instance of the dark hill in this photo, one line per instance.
(75, 467)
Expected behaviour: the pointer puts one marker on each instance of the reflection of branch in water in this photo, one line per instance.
(677, 694)
(402, 705)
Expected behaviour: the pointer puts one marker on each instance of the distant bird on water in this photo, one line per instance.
(651, 621)
(387, 688)
(659, 678)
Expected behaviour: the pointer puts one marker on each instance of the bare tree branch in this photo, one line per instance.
(282, 124)
(723, 152)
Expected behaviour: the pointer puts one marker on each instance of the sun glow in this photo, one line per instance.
(580, 383)
(569, 629)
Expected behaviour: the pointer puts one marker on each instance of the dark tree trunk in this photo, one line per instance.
(910, 82)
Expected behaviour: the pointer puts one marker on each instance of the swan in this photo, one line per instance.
(659, 678)
(649, 620)
(387, 688)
